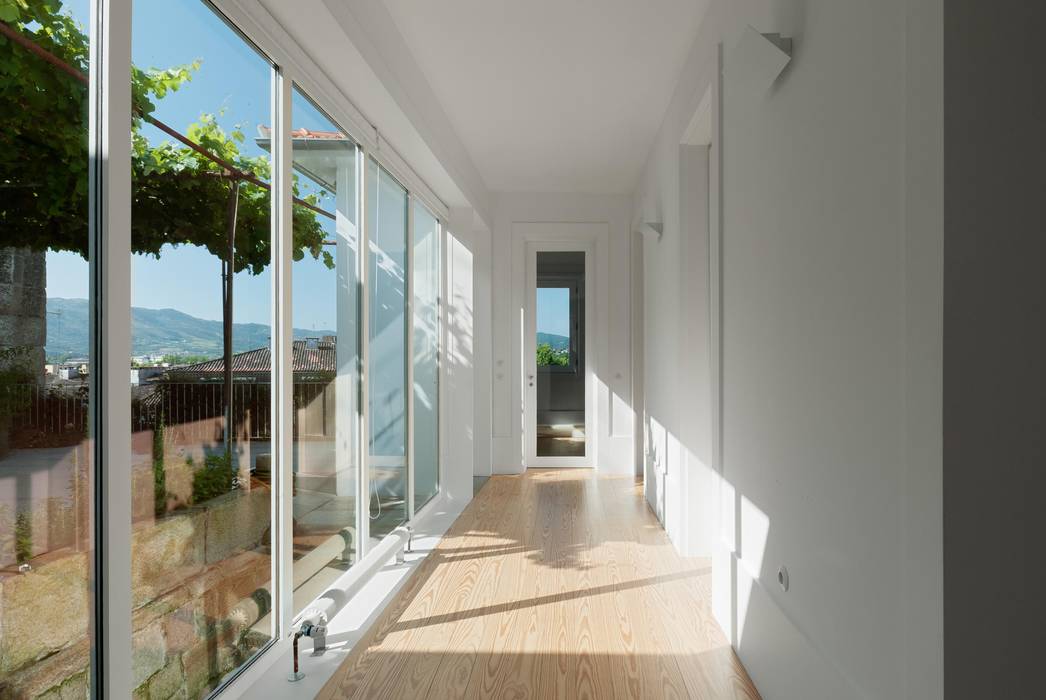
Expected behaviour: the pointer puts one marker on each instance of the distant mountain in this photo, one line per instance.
(558, 342)
(154, 332)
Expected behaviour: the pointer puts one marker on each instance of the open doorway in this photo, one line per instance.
(558, 417)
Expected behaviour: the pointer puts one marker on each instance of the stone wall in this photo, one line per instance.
(23, 315)
(23, 300)
(189, 570)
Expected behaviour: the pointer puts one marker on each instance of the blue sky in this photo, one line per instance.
(234, 80)
(553, 314)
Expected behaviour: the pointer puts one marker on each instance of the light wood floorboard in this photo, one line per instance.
(558, 583)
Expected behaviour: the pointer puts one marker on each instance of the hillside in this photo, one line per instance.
(558, 342)
(155, 332)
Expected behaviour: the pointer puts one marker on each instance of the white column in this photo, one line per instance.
(482, 351)
(347, 300)
(698, 498)
(457, 406)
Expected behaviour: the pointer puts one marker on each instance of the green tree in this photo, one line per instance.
(548, 357)
(180, 195)
(159, 468)
(23, 538)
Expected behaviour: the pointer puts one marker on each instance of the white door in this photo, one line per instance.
(558, 354)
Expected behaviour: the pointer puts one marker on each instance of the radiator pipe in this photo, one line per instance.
(296, 675)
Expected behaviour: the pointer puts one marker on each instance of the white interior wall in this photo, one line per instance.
(825, 427)
(459, 377)
(481, 465)
(699, 477)
(615, 416)
(681, 484)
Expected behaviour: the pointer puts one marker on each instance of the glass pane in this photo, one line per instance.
(46, 473)
(201, 376)
(386, 281)
(560, 343)
(426, 287)
(553, 349)
(326, 353)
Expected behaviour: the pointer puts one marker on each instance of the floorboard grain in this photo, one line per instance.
(558, 583)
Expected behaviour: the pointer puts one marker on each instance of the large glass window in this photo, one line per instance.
(203, 473)
(46, 470)
(202, 430)
(387, 286)
(426, 289)
(325, 316)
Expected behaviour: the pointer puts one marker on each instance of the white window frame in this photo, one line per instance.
(109, 223)
(109, 215)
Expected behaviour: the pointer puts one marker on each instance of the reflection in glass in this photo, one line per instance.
(387, 287)
(426, 289)
(326, 357)
(201, 372)
(46, 470)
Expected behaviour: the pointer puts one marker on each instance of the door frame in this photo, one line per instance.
(529, 348)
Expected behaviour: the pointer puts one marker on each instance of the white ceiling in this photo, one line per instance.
(552, 95)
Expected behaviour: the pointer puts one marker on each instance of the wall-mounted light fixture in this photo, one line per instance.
(651, 229)
(649, 222)
(755, 61)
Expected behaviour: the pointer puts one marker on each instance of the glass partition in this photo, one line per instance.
(426, 291)
(46, 361)
(203, 474)
(325, 316)
(387, 315)
(201, 374)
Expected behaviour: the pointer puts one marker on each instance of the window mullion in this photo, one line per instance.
(282, 351)
(408, 279)
(363, 500)
(110, 339)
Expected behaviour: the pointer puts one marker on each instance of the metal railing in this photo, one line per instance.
(193, 411)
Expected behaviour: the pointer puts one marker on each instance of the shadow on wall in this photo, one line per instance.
(748, 605)
(459, 311)
(741, 528)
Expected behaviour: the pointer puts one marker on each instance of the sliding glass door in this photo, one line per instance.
(47, 474)
(255, 485)
(387, 351)
(325, 353)
(202, 486)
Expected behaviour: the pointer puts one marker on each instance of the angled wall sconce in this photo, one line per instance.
(649, 223)
(755, 61)
(651, 229)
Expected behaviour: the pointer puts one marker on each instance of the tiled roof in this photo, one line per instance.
(266, 132)
(312, 356)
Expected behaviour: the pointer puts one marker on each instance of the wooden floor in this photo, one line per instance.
(554, 584)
